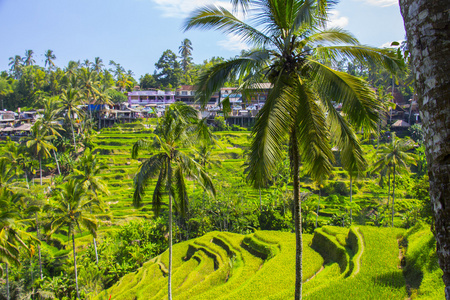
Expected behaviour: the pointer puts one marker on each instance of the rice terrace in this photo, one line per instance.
(307, 166)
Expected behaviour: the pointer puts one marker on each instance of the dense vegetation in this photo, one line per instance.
(105, 211)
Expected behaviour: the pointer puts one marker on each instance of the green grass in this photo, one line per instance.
(222, 265)
(422, 270)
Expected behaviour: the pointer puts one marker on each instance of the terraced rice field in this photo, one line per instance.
(338, 263)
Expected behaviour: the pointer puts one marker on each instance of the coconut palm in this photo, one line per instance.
(185, 51)
(11, 235)
(89, 85)
(49, 59)
(89, 175)
(16, 65)
(395, 157)
(50, 121)
(70, 99)
(293, 53)
(71, 210)
(97, 65)
(123, 81)
(171, 164)
(40, 144)
(28, 60)
(7, 173)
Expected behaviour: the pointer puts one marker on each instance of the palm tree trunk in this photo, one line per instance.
(351, 199)
(40, 168)
(73, 136)
(260, 202)
(428, 44)
(169, 286)
(318, 206)
(39, 249)
(57, 163)
(389, 189)
(95, 242)
(393, 199)
(298, 215)
(75, 264)
(7, 282)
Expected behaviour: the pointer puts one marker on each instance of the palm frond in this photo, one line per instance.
(140, 144)
(146, 171)
(213, 79)
(359, 102)
(329, 36)
(364, 55)
(268, 135)
(180, 191)
(219, 18)
(313, 133)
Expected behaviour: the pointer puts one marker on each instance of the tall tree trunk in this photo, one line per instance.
(393, 198)
(169, 285)
(351, 200)
(7, 282)
(427, 25)
(318, 207)
(57, 163)
(73, 136)
(95, 242)
(260, 202)
(39, 249)
(75, 264)
(40, 169)
(389, 189)
(297, 215)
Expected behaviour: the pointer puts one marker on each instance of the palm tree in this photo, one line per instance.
(97, 65)
(89, 175)
(395, 157)
(70, 99)
(170, 164)
(28, 60)
(71, 210)
(7, 173)
(40, 144)
(89, 85)
(292, 53)
(71, 69)
(87, 63)
(49, 59)
(123, 82)
(103, 99)
(185, 51)
(11, 236)
(50, 121)
(16, 65)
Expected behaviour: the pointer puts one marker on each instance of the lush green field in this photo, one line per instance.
(356, 263)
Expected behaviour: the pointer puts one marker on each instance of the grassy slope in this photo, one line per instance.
(223, 265)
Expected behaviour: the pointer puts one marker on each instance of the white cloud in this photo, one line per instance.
(388, 44)
(182, 8)
(382, 3)
(233, 43)
(336, 20)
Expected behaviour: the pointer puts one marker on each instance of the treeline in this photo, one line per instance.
(26, 83)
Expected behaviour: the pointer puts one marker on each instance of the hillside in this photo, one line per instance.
(356, 263)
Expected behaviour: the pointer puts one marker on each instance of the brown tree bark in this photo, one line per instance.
(295, 161)
(427, 26)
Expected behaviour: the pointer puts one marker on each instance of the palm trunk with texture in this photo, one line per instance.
(297, 215)
(427, 25)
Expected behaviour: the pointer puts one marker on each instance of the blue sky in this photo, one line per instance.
(135, 33)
